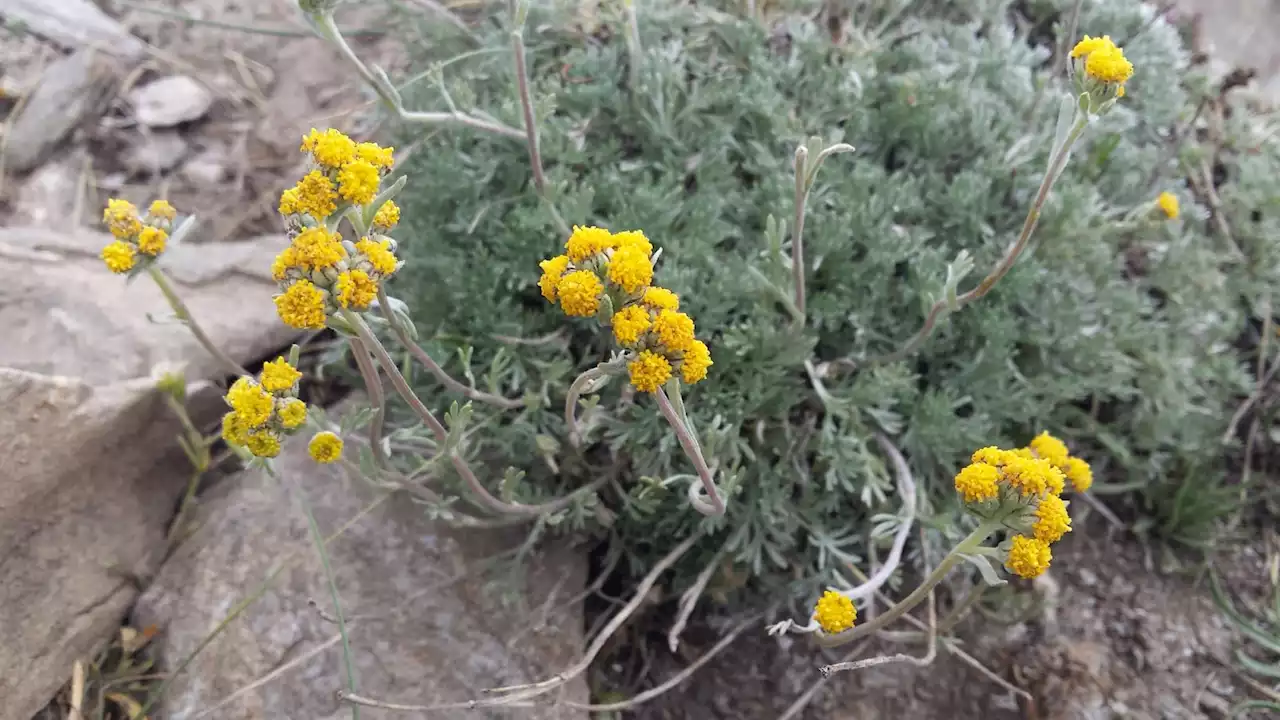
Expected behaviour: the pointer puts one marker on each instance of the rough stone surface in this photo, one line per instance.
(170, 101)
(91, 471)
(155, 153)
(70, 90)
(419, 635)
(73, 24)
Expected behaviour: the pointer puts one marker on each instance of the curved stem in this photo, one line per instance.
(180, 310)
(1056, 165)
(373, 384)
(953, 558)
(441, 433)
(470, 393)
(690, 446)
(575, 391)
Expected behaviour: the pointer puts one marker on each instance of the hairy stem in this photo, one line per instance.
(180, 310)
(470, 393)
(531, 129)
(373, 384)
(575, 391)
(797, 234)
(690, 446)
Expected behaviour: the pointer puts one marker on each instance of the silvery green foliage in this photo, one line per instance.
(1123, 341)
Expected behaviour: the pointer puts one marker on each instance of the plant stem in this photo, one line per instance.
(373, 383)
(402, 336)
(690, 447)
(180, 310)
(953, 558)
(575, 391)
(531, 129)
(328, 29)
(797, 234)
(1056, 165)
(318, 540)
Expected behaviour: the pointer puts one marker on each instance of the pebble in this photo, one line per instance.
(170, 101)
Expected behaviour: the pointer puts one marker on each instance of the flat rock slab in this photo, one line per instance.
(428, 625)
(91, 469)
(73, 24)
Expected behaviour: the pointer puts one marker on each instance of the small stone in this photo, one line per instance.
(206, 168)
(155, 153)
(170, 101)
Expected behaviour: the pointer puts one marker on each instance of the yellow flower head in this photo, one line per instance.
(356, 289)
(1091, 44)
(325, 447)
(649, 371)
(379, 255)
(1109, 65)
(1029, 475)
(376, 155)
(1079, 473)
(119, 256)
(387, 216)
(330, 148)
(234, 429)
(263, 443)
(279, 376)
(121, 217)
(990, 455)
(301, 306)
(977, 482)
(358, 182)
(289, 202)
(152, 240)
(292, 413)
(579, 293)
(1052, 520)
(630, 268)
(252, 404)
(657, 298)
(629, 324)
(834, 612)
(285, 261)
(697, 358)
(633, 239)
(162, 210)
(316, 248)
(1028, 557)
(674, 330)
(1050, 448)
(315, 195)
(552, 270)
(1168, 204)
(587, 241)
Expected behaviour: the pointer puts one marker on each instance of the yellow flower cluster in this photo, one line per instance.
(264, 410)
(136, 238)
(834, 612)
(1025, 486)
(1102, 61)
(1168, 204)
(345, 170)
(320, 273)
(614, 272)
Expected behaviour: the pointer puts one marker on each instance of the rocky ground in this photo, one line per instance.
(202, 102)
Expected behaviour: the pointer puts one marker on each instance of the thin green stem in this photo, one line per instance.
(240, 607)
(180, 310)
(575, 391)
(1056, 165)
(373, 384)
(422, 356)
(716, 505)
(318, 540)
(953, 558)
(531, 130)
(797, 234)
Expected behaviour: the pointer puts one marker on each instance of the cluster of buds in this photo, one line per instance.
(608, 276)
(138, 240)
(1023, 489)
(320, 273)
(264, 410)
(1100, 70)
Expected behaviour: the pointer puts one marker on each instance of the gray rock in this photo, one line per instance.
(73, 24)
(47, 197)
(419, 634)
(71, 90)
(91, 470)
(169, 101)
(209, 167)
(155, 153)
